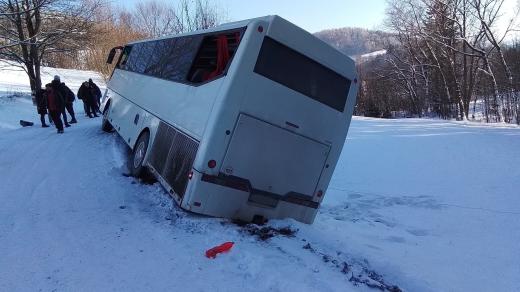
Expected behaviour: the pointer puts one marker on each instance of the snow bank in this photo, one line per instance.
(423, 204)
(13, 79)
(15, 91)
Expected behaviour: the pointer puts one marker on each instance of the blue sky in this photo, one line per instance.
(312, 15)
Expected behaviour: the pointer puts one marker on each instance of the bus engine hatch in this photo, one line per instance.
(274, 160)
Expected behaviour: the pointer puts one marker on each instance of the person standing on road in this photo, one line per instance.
(87, 95)
(55, 104)
(82, 96)
(68, 97)
(97, 93)
(41, 105)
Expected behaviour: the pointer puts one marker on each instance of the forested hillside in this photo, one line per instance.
(355, 41)
(451, 59)
(446, 59)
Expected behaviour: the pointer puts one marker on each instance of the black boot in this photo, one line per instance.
(73, 121)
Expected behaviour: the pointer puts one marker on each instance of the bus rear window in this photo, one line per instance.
(302, 74)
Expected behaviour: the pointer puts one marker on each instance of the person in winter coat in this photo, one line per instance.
(68, 97)
(87, 95)
(55, 104)
(97, 93)
(82, 95)
(41, 105)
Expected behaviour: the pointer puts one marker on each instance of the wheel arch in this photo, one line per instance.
(145, 129)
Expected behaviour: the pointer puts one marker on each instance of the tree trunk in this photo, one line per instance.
(494, 106)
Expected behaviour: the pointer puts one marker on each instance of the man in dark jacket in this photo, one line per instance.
(97, 93)
(68, 97)
(41, 105)
(55, 104)
(87, 95)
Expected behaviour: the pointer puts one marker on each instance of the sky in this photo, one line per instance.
(312, 15)
(317, 15)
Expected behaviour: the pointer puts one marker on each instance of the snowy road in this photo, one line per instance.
(69, 220)
(430, 205)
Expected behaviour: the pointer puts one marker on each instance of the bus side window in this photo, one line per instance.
(168, 59)
(124, 57)
(213, 57)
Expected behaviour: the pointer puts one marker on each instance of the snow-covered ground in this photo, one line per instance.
(427, 205)
(372, 55)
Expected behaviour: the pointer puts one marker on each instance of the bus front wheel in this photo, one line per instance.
(136, 161)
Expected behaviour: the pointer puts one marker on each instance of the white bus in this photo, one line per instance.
(245, 120)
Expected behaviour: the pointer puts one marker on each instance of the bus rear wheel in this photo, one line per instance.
(136, 160)
(105, 124)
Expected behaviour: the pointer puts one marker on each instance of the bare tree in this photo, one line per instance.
(198, 14)
(116, 29)
(157, 18)
(32, 29)
(451, 52)
(153, 18)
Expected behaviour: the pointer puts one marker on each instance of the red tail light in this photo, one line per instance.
(319, 193)
(212, 163)
(190, 175)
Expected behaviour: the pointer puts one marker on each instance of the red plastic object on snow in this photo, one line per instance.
(212, 253)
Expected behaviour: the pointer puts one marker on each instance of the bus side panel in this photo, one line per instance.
(185, 107)
(126, 118)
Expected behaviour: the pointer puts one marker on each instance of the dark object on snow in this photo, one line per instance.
(226, 246)
(26, 123)
(259, 220)
(359, 273)
(267, 232)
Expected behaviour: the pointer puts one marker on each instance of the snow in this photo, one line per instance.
(14, 79)
(372, 55)
(430, 205)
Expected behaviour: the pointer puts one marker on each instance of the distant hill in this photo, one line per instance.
(355, 41)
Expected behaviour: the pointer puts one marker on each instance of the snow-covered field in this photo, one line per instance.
(425, 205)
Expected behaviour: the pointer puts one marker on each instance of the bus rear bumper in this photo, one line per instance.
(234, 198)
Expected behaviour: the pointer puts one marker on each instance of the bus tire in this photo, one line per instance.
(105, 124)
(136, 161)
